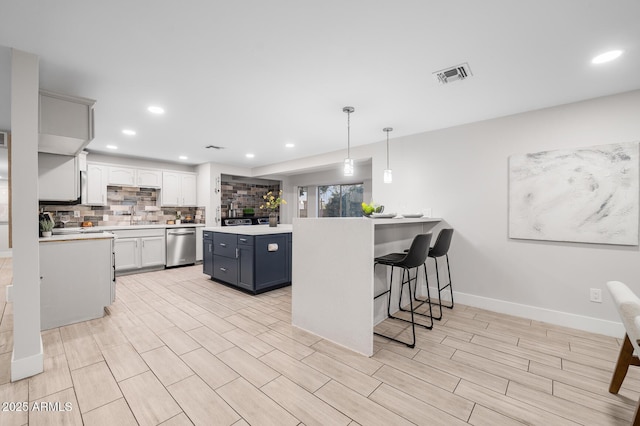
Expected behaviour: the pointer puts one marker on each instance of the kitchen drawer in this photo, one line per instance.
(225, 269)
(207, 235)
(245, 240)
(225, 244)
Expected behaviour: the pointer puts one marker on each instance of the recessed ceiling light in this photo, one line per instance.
(250, 156)
(290, 145)
(156, 109)
(112, 147)
(183, 157)
(129, 132)
(606, 57)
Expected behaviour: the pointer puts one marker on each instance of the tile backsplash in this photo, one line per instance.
(126, 206)
(244, 195)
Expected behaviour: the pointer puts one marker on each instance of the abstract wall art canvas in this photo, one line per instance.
(587, 195)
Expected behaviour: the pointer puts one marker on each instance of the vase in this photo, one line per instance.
(273, 220)
(46, 233)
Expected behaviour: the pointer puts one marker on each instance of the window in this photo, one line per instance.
(303, 201)
(340, 200)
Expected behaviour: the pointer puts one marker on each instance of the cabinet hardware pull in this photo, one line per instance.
(237, 253)
(223, 269)
(223, 244)
(244, 240)
(209, 247)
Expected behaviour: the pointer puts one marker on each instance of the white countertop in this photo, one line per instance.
(252, 229)
(401, 220)
(76, 237)
(92, 229)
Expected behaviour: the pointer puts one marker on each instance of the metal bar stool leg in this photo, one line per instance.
(440, 289)
(405, 272)
(422, 302)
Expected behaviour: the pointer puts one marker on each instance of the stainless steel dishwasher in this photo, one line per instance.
(181, 246)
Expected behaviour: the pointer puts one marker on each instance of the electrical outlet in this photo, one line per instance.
(76, 213)
(595, 295)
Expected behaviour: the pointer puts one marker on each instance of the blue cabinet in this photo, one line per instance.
(252, 263)
(207, 253)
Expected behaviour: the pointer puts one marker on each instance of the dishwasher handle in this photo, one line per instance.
(181, 233)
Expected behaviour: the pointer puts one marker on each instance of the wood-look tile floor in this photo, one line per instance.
(178, 349)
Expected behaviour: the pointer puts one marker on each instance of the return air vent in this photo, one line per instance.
(214, 147)
(451, 74)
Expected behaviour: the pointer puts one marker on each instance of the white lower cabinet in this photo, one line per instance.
(127, 254)
(76, 280)
(152, 251)
(137, 249)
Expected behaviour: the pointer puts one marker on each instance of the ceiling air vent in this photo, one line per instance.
(451, 74)
(214, 147)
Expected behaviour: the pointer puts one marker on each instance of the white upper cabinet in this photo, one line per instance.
(125, 176)
(129, 176)
(189, 192)
(65, 123)
(179, 189)
(149, 178)
(97, 175)
(58, 177)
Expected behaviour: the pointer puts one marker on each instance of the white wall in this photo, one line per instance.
(461, 173)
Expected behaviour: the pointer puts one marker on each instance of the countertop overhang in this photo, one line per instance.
(77, 237)
(252, 229)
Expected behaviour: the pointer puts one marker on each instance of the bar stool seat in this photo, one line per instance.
(412, 259)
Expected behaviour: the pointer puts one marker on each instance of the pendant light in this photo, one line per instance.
(348, 162)
(388, 178)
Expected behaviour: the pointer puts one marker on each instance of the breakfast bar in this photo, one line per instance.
(333, 277)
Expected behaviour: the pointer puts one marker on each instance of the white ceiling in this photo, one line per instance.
(253, 75)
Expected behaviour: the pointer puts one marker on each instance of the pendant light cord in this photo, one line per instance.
(387, 149)
(348, 134)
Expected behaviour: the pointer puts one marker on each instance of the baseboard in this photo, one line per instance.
(580, 322)
(27, 367)
(6, 253)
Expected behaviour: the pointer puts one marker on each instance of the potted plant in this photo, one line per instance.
(272, 203)
(178, 218)
(46, 226)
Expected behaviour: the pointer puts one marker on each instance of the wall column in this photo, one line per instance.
(27, 357)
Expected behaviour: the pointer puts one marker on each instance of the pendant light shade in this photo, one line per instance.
(348, 162)
(388, 177)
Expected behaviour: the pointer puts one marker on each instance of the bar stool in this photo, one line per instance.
(439, 249)
(412, 259)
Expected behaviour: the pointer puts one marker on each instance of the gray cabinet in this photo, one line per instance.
(207, 253)
(245, 262)
(252, 263)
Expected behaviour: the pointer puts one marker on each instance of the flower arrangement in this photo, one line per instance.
(271, 201)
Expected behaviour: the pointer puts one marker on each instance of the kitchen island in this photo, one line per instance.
(333, 276)
(78, 278)
(251, 258)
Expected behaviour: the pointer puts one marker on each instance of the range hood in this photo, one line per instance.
(65, 123)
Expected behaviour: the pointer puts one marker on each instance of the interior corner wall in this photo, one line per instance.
(462, 174)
